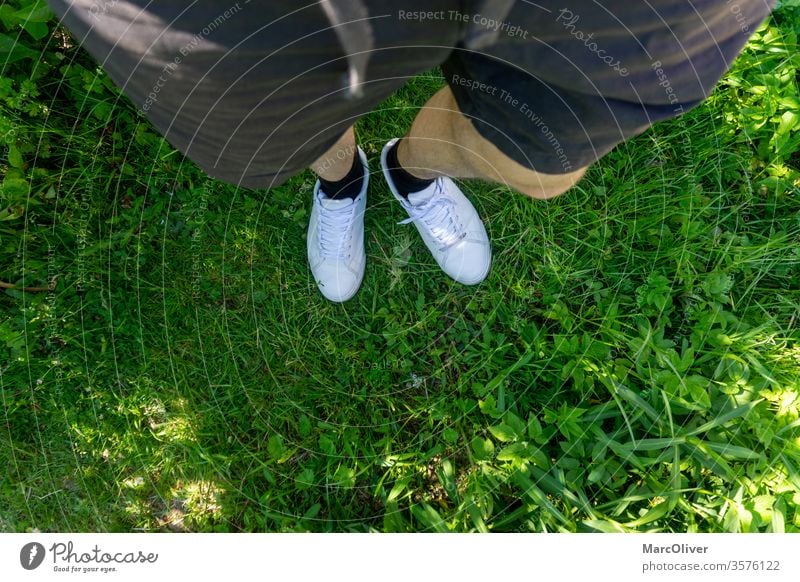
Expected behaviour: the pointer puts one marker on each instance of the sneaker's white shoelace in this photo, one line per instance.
(335, 229)
(438, 218)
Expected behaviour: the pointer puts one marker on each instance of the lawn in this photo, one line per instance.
(632, 363)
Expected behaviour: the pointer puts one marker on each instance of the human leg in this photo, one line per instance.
(559, 89)
(442, 141)
(335, 163)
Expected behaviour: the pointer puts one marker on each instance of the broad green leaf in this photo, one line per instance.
(734, 452)
(488, 407)
(312, 511)
(651, 515)
(725, 418)
(656, 444)
(345, 477)
(14, 190)
(15, 157)
(778, 521)
(275, 446)
(605, 525)
(503, 432)
(304, 426)
(534, 427)
(515, 423)
(37, 30)
(513, 452)
(12, 51)
(37, 11)
(482, 449)
(397, 490)
(305, 479)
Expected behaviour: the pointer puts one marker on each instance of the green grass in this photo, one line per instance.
(631, 363)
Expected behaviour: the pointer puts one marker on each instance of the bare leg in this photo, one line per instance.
(334, 164)
(444, 142)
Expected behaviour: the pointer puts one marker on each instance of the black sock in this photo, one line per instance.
(404, 182)
(349, 186)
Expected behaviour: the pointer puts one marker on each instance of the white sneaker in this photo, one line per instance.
(449, 225)
(335, 241)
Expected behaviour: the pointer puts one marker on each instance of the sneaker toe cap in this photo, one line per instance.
(471, 264)
(336, 282)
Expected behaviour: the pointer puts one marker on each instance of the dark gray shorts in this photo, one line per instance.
(254, 92)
